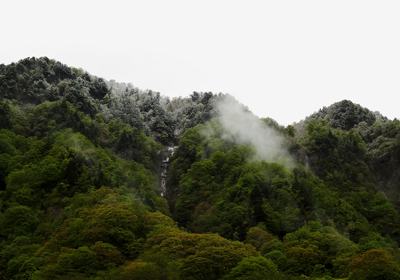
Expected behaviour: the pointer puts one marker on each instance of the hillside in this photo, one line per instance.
(103, 180)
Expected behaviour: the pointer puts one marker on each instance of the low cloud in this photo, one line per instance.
(243, 128)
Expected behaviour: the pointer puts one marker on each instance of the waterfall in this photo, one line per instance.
(307, 162)
(166, 153)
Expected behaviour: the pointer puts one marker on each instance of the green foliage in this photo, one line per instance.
(80, 186)
(373, 264)
(228, 177)
(254, 268)
(18, 220)
(345, 115)
(258, 237)
(214, 262)
(278, 258)
(316, 245)
(6, 114)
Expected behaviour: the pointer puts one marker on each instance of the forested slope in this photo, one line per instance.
(81, 196)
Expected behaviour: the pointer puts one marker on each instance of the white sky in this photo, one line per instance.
(282, 59)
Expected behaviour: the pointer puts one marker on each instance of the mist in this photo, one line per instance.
(242, 127)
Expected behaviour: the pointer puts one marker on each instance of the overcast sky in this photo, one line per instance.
(282, 59)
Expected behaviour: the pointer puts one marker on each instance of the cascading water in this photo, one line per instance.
(165, 156)
(307, 162)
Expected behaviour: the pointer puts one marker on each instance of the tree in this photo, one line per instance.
(258, 237)
(18, 220)
(373, 264)
(253, 268)
(213, 262)
(6, 114)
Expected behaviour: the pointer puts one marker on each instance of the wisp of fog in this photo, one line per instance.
(244, 128)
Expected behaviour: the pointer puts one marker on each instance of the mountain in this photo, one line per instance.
(103, 180)
(379, 138)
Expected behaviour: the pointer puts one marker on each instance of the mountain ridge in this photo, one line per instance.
(86, 191)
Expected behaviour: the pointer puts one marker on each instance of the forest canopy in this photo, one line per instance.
(103, 180)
